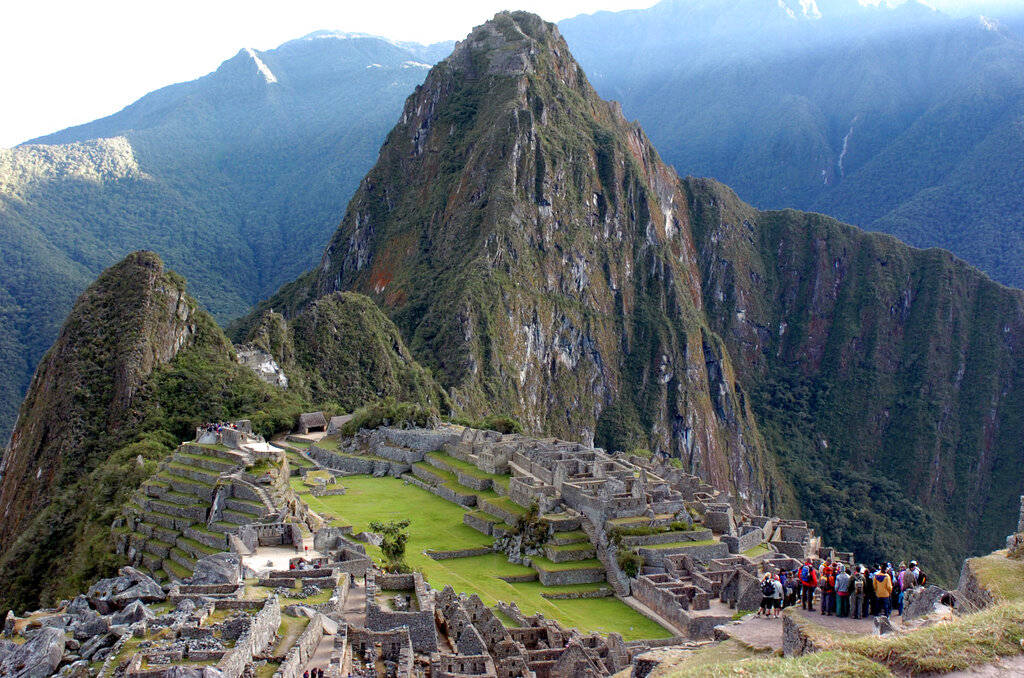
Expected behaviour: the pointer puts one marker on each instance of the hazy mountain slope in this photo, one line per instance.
(530, 245)
(236, 179)
(867, 114)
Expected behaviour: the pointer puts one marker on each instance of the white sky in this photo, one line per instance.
(67, 62)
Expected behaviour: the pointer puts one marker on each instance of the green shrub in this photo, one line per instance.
(502, 423)
(388, 412)
(630, 562)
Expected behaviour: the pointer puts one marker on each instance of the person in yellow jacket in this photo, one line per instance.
(883, 589)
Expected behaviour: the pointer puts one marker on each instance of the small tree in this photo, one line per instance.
(394, 537)
(630, 562)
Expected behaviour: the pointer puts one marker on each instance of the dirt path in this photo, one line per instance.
(847, 624)
(757, 633)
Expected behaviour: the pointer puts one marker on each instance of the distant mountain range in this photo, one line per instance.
(236, 179)
(901, 120)
(896, 119)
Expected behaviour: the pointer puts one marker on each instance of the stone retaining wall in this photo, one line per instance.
(666, 537)
(463, 553)
(702, 553)
(589, 575)
(577, 595)
(477, 523)
(585, 551)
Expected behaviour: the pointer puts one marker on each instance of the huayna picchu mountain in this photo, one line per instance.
(136, 367)
(539, 257)
(535, 253)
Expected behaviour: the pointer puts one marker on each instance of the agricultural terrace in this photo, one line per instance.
(437, 524)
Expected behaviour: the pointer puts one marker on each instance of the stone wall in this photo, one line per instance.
(590, 575)
(303, 648)
(702, 553)
(462, 553)
(744, 542)
(264, 627)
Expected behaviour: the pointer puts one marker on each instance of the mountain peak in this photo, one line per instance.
(508, 44)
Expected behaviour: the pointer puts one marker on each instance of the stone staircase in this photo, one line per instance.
(606, 554)
(187, 509)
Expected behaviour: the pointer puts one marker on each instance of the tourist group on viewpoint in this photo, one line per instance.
(856, 593)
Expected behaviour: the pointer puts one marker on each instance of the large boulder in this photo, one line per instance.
(109, 595)
(36, 658)
(921, 601)
(90, 625)
(219, 568)
(136, 611)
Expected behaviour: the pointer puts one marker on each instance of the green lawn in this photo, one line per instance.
(437, 524)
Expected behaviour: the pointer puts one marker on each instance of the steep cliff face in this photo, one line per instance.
(135, 367)
(88, 386)
(886, 378)
(535, 252)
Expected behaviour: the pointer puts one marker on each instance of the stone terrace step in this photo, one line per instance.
(161, 549)
(195, 511)
(570, 552)
(195, 473)
(183, 559)
(574, 537)
(215, 451)
(176, 497)
(201, 489)
(223, 527)
(205, 462)
(195, 548)
(238, 518)
(175, 570)
(215, 540)
(157, 531)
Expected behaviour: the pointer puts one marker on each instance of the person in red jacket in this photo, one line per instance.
(808, 582)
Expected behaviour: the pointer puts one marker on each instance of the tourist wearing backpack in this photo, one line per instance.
(857, 593)
(843, 592)
(808, 582)
(767, 596)
(776, 596)
(827, 583)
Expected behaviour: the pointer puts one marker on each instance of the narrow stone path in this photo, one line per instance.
(321, 657)
(354, 612)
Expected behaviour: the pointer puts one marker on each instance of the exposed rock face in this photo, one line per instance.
(108, 595)
(37, 658)
(263, 365)
(536, 253)
(133, 318)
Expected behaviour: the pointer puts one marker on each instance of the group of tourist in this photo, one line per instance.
(314, 673)
(843, 592)
(217, 427)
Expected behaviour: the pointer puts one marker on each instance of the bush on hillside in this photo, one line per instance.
(388, 412)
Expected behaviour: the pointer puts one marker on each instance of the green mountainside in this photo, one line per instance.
(235, 179)
(894, 118)
(136, 367)
(541, 260)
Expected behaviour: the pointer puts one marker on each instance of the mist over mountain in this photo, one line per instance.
(236, 179)
(902, 119)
